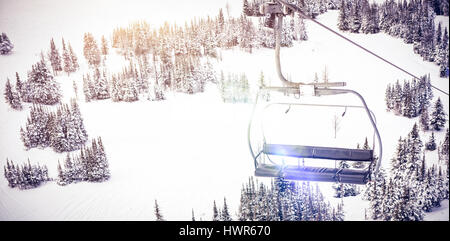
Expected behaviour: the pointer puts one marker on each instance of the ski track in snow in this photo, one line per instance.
(188, 151)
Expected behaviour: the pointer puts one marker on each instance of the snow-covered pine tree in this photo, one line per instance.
(389, 98)
(79, 133)
(414, 147)
(431, 144)
(67, 60)
(300, 28)
(102, 161)
(19, 85)
(445, 148)
(100, 85)
(41, 88)
(398, 161)
(12, 97)
(355, 17)
(75, 89)
(87, 88)
(438, 116)
(91, 50)
(406, 208)
(442, 55)
(61, 177)
(442, 185)
(158, 214)
(55, 58)
(73, 57)
(216, 216)
(424, 120)
(398, 98)
(105, 48)
(5, 44)
(225, 213)
(343, 22)
(59, 130)
(36, 133)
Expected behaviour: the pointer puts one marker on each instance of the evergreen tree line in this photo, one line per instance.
(412, 189)
(201, 37)
(285, 201)
(235, 88)
(90, 165)
(411, 99)
(312, 8)
(189, 75)
(62, 130)
(26, 176)
(5, 44)
(172, 54)
(358, 16)
(413, 21)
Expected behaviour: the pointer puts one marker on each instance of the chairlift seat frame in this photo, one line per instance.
(321, 174)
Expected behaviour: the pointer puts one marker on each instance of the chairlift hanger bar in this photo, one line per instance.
(298, 10)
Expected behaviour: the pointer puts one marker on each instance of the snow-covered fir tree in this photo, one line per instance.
(216, 215)
(105, 48)
(69, 61)
(158, 214)
(225, 215)
(37, 130)
(444, 148)
(55, 58)
(12, 97)
(424, 120)
(343, 22)
(73, 57)
(91, 50)
(431, 143)
(41, 88)
(438, 116)
(5, 44)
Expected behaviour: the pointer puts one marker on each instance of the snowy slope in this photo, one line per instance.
(189, 150)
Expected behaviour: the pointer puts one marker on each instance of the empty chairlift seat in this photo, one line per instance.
(320, 174)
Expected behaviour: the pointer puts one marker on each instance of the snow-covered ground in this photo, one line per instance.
(187, 151)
